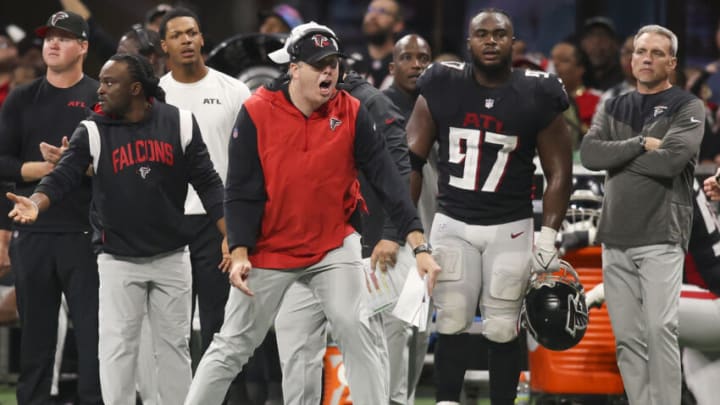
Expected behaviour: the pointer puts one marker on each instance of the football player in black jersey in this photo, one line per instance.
(488, 121)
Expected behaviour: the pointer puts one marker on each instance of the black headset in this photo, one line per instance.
(145, 45)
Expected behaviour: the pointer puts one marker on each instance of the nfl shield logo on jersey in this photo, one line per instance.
(489, 103)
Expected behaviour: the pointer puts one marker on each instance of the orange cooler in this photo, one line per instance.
(590, 367)
(335, 386)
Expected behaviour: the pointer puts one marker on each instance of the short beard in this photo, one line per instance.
(378, 38)
(8, 65)
(493, 70)
(118, 111)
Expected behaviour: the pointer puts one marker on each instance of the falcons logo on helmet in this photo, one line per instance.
(320, 41)
(577, 316)
(60, 15)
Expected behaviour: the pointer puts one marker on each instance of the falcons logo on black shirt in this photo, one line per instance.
(143, 171)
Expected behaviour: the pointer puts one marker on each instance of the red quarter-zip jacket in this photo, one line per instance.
(292, 180)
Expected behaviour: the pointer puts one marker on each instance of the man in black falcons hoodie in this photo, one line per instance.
(142, 154)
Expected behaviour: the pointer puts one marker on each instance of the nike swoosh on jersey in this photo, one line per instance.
(515, 235)
(694, 120)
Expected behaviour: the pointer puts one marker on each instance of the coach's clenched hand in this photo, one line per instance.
(240, 270)
(426, 265)
(384, 254)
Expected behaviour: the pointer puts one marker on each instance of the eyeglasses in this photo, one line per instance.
(380, 10)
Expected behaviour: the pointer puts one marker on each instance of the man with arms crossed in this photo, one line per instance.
(648, 141)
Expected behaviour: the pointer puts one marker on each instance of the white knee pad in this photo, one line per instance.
(455, 303)
(500, 330)
(452, 317)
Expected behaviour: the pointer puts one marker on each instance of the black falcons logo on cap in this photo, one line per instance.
(60, 15)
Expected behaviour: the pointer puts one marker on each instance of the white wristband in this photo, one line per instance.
(546, 239)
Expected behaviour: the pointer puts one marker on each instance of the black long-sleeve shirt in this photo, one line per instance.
(390, 125)
(404, 101)
(40, 112)
(141, 175)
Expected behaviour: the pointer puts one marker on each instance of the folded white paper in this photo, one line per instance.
(413, 304)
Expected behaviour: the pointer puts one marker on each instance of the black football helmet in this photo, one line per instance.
(583, 214)
(585, 201)
(245, 57)
(554, 309)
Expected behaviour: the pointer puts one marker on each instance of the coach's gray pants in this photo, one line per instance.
(338, 282)
(642, 291)
(129, 288)
(302, 359)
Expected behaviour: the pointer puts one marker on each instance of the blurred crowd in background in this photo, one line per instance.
(588, 46)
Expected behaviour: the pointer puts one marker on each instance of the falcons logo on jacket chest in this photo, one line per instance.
(334, 123)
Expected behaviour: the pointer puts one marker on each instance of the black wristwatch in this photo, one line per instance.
(642, 142)
(422, 248)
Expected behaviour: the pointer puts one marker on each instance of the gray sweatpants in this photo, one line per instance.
(642, 292)
(338, 282)
(129, 288)
(301, 314)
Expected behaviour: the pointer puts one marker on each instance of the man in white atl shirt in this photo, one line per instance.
(215, 99)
